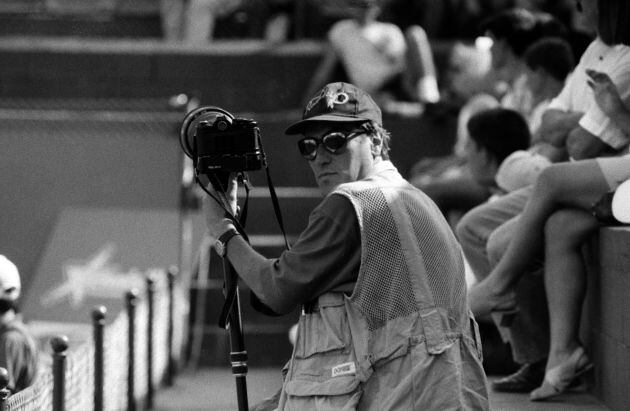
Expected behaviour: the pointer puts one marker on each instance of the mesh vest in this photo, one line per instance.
(404, 338)
(411, 282)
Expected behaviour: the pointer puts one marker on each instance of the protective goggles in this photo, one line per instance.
(333, 142)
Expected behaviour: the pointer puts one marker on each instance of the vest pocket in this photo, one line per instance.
(323, 371)
(339, 393)
(323, 331)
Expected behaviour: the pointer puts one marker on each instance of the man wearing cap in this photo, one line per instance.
(18, 349)
(378, 273)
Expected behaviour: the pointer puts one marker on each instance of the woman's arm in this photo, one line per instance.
(608, 99)
(557, 124)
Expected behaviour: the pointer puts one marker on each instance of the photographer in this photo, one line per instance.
(378, 272)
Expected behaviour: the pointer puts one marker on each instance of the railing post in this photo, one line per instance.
(171, 273)
(4, 391)
(151, 311)
(98, 324)
(59, 345)
(132, 300)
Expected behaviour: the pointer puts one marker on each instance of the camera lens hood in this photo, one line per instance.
(191, 121)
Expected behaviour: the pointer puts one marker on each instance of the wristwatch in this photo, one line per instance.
(220, 245)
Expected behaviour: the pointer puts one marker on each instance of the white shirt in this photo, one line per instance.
(577, 95)
(371, 54)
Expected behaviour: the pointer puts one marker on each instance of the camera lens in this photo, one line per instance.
(222, 125)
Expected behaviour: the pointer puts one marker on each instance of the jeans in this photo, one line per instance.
(484, 233)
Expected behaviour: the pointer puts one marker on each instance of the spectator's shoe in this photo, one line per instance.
(561, 377)
(527, 378)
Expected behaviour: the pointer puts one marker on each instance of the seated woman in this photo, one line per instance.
(558, 218)
(378, 57)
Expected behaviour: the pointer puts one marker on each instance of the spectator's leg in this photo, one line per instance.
(200, 19)
(528, 334)
(577, 184)
(565, 282)
(420, 75)
(565, 278)
(475, 227)
(172, 19)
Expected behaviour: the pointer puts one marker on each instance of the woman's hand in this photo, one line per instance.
(605, 93)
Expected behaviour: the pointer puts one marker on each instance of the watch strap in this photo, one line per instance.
(226, 237)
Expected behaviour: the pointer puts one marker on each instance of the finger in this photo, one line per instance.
(596, 75)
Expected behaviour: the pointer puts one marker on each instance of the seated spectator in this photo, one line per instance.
(378, 57)
(575, 123)
(193, 21)
(549, 62)
(494, 135)
(512, 32)
(559, 216)
(18, 349)
(515, 31)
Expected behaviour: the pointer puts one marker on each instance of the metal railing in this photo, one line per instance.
(123, 363)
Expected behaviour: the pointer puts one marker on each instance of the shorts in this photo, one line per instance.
(616, 170)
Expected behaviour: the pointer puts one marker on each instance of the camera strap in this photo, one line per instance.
(276, 207)
(274, 198)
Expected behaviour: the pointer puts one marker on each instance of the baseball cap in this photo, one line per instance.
(10, 285)
(338, 102)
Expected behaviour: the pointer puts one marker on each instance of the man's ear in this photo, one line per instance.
(377, 145)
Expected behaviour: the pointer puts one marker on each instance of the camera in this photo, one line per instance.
(217, 142)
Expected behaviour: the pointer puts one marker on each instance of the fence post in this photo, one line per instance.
(98, 324)
(132, 300)
(59, 345)
(151, 315)
(170, 365)
(4, 391)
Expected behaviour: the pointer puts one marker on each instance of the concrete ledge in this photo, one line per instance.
(609, 316)
(243, 75)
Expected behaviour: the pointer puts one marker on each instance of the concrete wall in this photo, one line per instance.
(48, 165)
(609, 317)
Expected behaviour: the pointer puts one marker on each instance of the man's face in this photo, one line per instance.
(479, 164)
(351, 163)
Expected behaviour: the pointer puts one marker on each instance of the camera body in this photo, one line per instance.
(228, 145)
(220, 144)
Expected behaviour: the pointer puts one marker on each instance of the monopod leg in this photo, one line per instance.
(238, 354)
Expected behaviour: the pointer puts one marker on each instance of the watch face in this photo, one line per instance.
(219, 248)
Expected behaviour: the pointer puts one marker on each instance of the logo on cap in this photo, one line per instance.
(332, 98)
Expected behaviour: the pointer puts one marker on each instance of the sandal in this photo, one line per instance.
(560, 378)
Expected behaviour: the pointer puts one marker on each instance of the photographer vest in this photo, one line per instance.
(404, 339)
